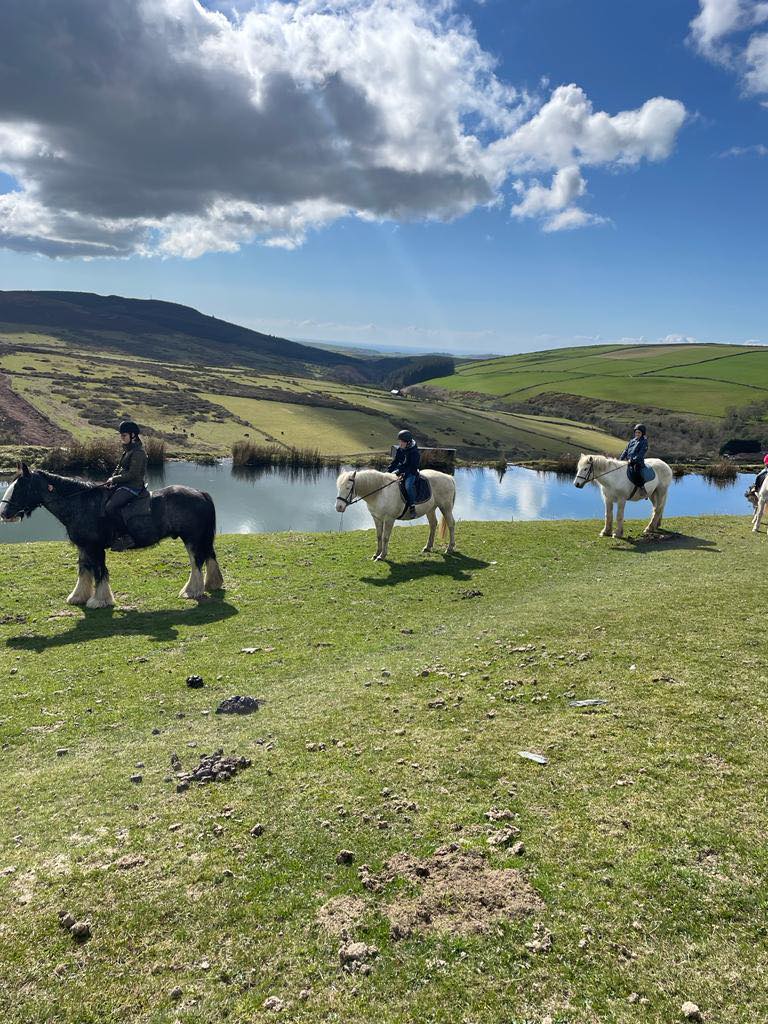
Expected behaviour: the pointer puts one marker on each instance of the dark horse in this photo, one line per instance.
(175, 512)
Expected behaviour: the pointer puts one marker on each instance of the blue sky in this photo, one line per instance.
(676, 247)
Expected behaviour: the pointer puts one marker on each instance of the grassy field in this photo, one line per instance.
(397, 697)
(703, 380)
(207, 409)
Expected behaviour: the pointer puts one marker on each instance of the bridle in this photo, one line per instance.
(591, 475)
(349, 500)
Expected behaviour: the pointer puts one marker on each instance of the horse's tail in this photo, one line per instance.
(443, 522)
(209, 527)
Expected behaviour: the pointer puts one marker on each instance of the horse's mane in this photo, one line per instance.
(67, 485)
(367, 480)
(602, 461)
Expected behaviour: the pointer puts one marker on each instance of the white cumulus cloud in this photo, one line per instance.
(730, 32)
(165, 127)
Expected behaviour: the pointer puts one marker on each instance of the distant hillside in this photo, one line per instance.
(155, 329)
(695, 396)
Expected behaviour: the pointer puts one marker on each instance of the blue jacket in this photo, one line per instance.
(406, 460)
(635, 450)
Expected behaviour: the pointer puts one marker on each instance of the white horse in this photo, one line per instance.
(759, 500)
(381, 493)
(611, 477)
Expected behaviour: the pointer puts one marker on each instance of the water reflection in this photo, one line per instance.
(260, 501)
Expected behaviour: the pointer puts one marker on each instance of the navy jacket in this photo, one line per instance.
(635, 450)
(406, 460)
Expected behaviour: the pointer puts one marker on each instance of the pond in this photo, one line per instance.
(274, 500)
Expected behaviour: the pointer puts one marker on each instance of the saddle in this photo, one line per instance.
(139, 524)
(639, 477)
(423, 493)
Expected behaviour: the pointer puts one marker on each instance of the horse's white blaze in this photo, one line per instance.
(610, 475)
(381, 493)
(83, 588)
(6, 501)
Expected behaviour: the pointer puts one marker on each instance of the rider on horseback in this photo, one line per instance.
(634, 453)
(127, 482)
(760, 478)
(406, 464)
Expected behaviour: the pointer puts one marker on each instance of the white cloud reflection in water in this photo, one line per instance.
(276, 501)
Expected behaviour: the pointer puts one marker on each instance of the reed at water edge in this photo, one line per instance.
(99, 456)
(250, 455)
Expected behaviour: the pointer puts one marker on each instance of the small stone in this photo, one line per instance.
(175, 826)
(137, 778)
(182, 787)
(156, 732)
(80, 931)
(345, 857)
(62, 751)
(518, 849)
(691, 1011)
(633, 997)
(273, 1003)
(175, 994)
(66, 920)
(304, 994)
(195, 682)
(139, 764)
(257, 830)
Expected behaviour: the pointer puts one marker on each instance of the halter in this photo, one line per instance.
(590, 474)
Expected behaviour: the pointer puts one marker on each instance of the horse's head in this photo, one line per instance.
(345, 490)
(585, 471)
(22, 497)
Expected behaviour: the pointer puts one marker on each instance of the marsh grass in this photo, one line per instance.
(644, 835)
(250, 455)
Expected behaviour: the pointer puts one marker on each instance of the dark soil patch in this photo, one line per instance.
(21, 423)
(453, 892)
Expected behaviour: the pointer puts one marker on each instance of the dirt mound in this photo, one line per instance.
(341, 915)
(21, 423)
(457, 892)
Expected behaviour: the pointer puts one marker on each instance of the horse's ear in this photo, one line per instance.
(24, 469)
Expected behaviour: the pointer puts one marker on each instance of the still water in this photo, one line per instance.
(281, 500)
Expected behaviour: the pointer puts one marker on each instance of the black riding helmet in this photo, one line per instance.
(405, 435)
(640, 427)
(128, 427)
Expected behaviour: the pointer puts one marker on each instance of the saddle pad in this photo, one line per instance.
(423, 490)
(139, 507)
(648, 475)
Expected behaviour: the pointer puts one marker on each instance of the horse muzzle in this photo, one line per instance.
(341, 505)
(579, 483)
(5, 517)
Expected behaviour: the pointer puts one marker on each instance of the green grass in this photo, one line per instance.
(203, 409)
(664, 876)
(698, 379)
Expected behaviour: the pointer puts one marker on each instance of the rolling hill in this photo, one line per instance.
(72, 364)
(697, 395)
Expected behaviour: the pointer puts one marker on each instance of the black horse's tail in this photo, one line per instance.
(209, 527)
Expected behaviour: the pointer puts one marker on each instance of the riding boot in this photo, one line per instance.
(122, 542)
(411, 510)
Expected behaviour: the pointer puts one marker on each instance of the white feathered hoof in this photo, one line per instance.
(426, 551)
(192, 595)
(213, 578)
(78, 599)
(99, 602)
(604, 533)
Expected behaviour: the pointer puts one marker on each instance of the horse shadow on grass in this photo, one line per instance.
(667, 540)
(103, 623)
(455, 565)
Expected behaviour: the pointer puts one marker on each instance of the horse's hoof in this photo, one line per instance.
(604, 533)
(94, 602)
(80, 601)
(187, 596)
(618, 536)
(426, 551)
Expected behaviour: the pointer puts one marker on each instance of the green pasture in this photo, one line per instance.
(397, 699)
(699, 379)
(203, 409)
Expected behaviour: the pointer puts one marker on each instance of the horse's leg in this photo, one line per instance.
(608, 526)
(385, 535)
(758, 516)
(619, 531)
(432, 519)
(379, 531)
(653, 522)
(213, 578)
(84, 586)
(102, 594)
(450, 523)
(659, 499)
(194, 588)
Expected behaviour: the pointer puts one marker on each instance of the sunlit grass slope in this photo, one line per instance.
(397, 698)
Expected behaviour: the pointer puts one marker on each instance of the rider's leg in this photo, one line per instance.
(410, 490)
(116, 503)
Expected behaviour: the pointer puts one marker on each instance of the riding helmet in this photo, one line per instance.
(405, 435)
(640, 427)
(765, 460)
(128, 427)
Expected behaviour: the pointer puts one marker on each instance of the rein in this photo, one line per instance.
(598, 476)
(349, 500)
